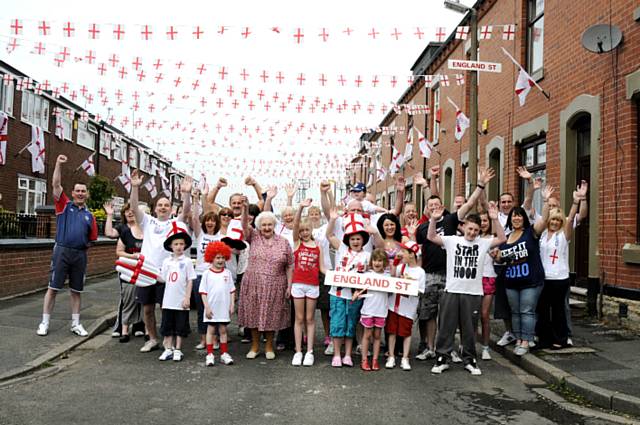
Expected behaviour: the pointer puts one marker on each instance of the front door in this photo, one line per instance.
(583, 167)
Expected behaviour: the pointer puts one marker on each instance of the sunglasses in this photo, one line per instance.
(226, 215)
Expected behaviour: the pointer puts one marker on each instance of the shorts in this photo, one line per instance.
(150, 294)
(398, 325)
(216, 323)
(372, 322)
(501, 308)
(323, 299)
(304, 290)
(175, 323)
(489, 285)
(344, 316)
(68, 262)
(430, 299)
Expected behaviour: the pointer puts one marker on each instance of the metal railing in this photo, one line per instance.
(17, 226)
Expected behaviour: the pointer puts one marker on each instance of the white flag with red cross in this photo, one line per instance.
(150, 185)
(462, 123)
(88, 166)
(523, 86)
(408, 150)
(397, 159)
(36, 148)
(59, 127)
(425, 146)
(125, 176)
(4, 130)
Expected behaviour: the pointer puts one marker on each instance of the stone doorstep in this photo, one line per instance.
(569, 350)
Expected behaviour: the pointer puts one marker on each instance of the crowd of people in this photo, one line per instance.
(485, 255)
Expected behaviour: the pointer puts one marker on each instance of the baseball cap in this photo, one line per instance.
(358, 187)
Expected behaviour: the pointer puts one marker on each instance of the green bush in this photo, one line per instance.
(101, 189)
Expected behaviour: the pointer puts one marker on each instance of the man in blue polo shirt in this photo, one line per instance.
(75, 229)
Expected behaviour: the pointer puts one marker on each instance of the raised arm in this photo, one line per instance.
(484, 177)
(244, 218)
(56, 179)
(528, 195)
(109, 231)
(584, 206)
(291, 189)
(195, 217)
(500, 237)
(185, 191)
(213, 193)
(541, 222)
(331, 237)
(568, 225)
(400, 187)
(432, 235)
(272, 191)
(433, 184)
(136, 181)
(250, 181)
(325, 201)
(296, 222)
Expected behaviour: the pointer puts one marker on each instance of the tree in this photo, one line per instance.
(101, 189)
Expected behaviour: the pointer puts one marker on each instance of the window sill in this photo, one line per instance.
(46, 130)
(631, 253)
(8, 114)
(538, 75)
(86, 147)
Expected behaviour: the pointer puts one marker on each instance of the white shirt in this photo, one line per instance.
(218, 287)
(554, 254)
(465, 264)
(368, 207)
(201, 245)
(339, 230)
(320, 236)
(347, 260)
(406, 305)
(154, 234)
(502, 218)
(376, 303)
(283, 231)
(489, 270)
(176, 272)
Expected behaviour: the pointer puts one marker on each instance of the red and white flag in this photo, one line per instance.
(523, 85)
(88, 166)
(125, 176)
(408, 149)
(163, 182)
(150, 185)
(425, 146)
(381, 172)
(396, 161)
(4, 129)
(59, 126)
(36, 148)
(462, 123)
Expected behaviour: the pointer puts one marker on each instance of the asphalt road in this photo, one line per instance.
(111, 383)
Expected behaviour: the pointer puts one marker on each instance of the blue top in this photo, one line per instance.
(523, 267)
(75, 227)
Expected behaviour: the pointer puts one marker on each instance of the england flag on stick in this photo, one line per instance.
(125, 177)
(462, 122)
(4, 129)
(425, 146)
(396, 161)
(36, 148)
(524, 82)
(88, 166)
(150, 185)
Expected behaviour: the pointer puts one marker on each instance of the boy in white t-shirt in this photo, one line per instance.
(177, 273)
(359, 192)
(462, 297)
(217, 290)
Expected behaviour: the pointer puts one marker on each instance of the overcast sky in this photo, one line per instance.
(197, 144)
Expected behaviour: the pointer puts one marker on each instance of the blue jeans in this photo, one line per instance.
(523, 304)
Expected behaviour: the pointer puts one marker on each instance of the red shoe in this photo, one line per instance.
(375, 365)
(364, 365)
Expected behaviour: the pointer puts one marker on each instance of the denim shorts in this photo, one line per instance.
(344, 316)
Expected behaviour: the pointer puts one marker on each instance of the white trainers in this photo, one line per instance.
(79, 330)
(115, 334)
(404, 364)
(226, 358)
(167, 354)
(297, 359)
(150, 345)
(473, 368)
(485, 353)
(43, 329)
(329, 350)
(507, 338)
(308, 359)
(209, 360)
(200, 346)
(455, 357)
(569, 342)
(391, 362)
(426, 354)
(440, 366)
(177, 355)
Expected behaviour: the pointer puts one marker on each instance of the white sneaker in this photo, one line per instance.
(569, 342)
(177, 355)
(426, 354)
(138, 334)
(79, 330)
(200, 346)
(473, 368)
(455, 357)
(440, 366)
(391, 362)
(115, 334)
(485, 353)
(329, 350)
(226, 358)
(167, 354)
(210, 360)
(150, 345)
(507, 338)
(308, 359)
(297, 359)
(43, 329)
(404, 364)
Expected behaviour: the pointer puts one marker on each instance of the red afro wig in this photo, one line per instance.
(216, 248)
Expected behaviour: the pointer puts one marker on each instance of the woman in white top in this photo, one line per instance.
(488, 283)
(551, 328)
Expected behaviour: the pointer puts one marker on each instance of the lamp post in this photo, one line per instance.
(456, 6)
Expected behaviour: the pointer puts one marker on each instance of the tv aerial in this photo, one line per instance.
(601, 38)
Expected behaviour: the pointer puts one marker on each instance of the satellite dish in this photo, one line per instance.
(601, 38)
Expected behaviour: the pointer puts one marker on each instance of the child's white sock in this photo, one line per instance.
(75, 319)
(46, 318)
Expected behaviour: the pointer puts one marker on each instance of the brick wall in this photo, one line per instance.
(25, 264)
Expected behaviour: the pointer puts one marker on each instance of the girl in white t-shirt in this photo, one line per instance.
(373, 313)
(217, 290)
(488, 284)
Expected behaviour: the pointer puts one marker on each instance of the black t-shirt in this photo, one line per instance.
(131, 243)
(434, 258)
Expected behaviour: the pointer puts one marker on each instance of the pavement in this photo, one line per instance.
(602, 367)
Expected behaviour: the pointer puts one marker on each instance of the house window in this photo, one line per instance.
(448, 187)
(117, 150)
(31, 194)
(534, 158)
(6, 98)
(35, 110)
(144, 161)
(436, 114)
(86, 138)
(105, 144)
(67, 126)
(133, 157)
(535, 36)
